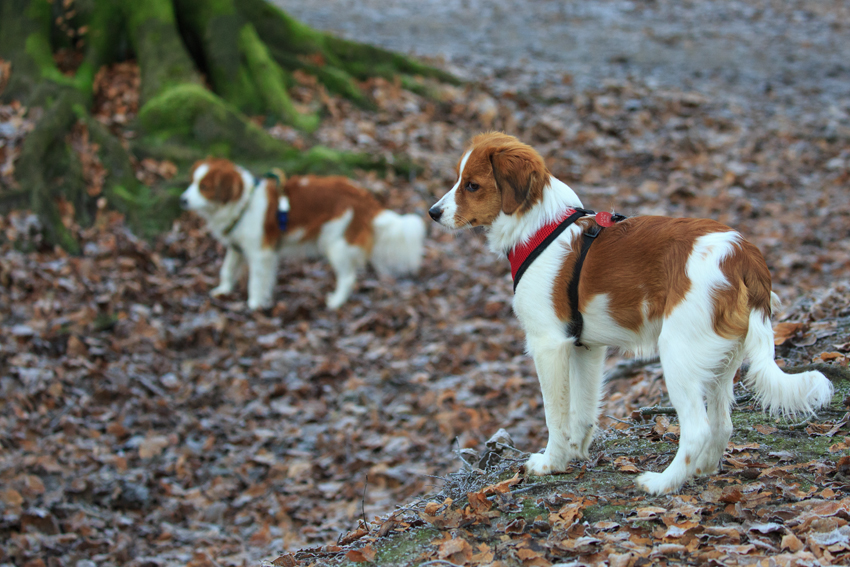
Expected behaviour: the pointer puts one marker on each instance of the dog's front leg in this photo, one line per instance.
(552, 360)
(231, 270)
(585, 392)
(262, 275)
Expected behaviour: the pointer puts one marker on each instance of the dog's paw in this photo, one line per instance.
(541, 464)
(333, 301)
(221, 290)
(255, 304)
(706, 465)
(656, 483)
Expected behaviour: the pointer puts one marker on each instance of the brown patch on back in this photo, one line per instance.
(271, 229)
(749, 289)
(222, 183)
(510, 176)
(315, 200)
(639, 263)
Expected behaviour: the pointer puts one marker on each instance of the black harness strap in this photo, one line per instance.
(579, 213)
(577, 321)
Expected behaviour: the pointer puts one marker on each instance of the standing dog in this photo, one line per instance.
(692, 289)
(328, 216)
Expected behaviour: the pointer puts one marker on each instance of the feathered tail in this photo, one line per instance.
(398, 243)
(778, 392)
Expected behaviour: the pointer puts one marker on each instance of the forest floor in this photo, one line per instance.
(144, 423)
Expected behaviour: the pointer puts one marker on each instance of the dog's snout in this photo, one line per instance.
(435, 212)
(184, 203)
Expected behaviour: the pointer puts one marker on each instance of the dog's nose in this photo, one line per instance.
(184, 203)
(435, 212)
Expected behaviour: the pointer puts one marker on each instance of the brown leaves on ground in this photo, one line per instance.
(15, 123)
(729, 526)
(142, 419)
(116, 94)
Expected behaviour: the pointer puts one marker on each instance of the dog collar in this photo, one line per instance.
(244, 208)
(282, 213)
(522, 256)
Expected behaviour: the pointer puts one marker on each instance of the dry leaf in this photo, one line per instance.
(782, 332)
(363, 555)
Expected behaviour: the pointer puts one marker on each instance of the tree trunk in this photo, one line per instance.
(246, 50)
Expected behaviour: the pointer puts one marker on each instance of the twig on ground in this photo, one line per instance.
(363, 501)
(542, 485)
(627, 368)
(743, 398)
(658, 410)
(618, 419)
(794, 426)
(512, 449)
(438, 562)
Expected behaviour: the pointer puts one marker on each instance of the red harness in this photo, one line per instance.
(523, 255)
(519, 255)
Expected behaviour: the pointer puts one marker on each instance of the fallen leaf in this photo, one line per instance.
(791, 543)
(501, 487)
(363, 555)
(782, 332)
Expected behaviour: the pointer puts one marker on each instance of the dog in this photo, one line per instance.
(692, 290)
(259, 221)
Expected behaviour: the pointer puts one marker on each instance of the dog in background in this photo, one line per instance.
(258, 221)
(692, 290)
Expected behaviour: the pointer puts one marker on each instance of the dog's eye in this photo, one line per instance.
(472, 187)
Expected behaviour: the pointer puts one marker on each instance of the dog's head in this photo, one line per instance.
(215, 182)
(497, 175)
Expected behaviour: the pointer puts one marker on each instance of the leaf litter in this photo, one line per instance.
(145, 423)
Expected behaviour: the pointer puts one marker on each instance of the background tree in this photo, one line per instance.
(205, 65)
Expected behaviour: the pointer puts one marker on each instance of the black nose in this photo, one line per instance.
(435, 212)
(184, 203)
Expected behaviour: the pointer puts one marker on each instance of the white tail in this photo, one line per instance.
(398, 243)
(778, 392)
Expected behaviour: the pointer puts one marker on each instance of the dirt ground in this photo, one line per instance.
(144, 423)
(761, 53)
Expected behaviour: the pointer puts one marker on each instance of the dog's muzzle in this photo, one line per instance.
(435, 213)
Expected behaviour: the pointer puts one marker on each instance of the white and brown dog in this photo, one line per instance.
(691, 289)
(258, 221)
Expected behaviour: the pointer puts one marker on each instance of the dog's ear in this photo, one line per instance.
(520, 175)
(222, 185)
(196, 165)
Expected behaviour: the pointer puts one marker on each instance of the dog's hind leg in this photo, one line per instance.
(719, 398)
(262, 275)
(585, 391)
(552, 361)
(686, 372)
(345, 259)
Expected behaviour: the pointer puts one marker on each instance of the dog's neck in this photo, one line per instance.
(509, 231)
(224, 218)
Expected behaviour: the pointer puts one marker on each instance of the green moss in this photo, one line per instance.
(402, 550)
(270, 81)
(190, 115)
(530, 511)
(600, 512)
(275, 27)
(163, 60)
(289, 40)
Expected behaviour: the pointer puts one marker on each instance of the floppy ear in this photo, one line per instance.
(223, 185)
(230, 186)
(519, 173)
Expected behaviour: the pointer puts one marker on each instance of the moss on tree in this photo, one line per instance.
(247, 50)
